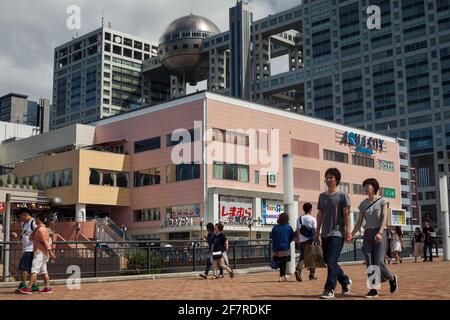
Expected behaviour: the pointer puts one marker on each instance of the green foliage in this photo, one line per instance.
(138, 263)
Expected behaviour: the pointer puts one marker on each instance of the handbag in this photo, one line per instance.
(217, 255)
(314, 256)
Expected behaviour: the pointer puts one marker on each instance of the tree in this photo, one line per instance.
(16, 181)
(8, 180)
(31, 183)
(24, 182)
(1, 182)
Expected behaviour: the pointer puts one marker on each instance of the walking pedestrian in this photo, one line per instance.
(282, 235)
(418, 244)
(306, 229)
(209, 238)
(333, 227)
(428, 241)
(373, 210)
(388, 256)
(219, 247)
(28, 225)
(397, 244)
(42, 253)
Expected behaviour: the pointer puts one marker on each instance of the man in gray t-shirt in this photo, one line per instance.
(332, 207)
(333, 227)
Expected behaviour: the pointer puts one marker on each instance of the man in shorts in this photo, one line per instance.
(28, 225)
(42, 253)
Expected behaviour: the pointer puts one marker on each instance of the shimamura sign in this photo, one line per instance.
(363, 144)
(235, 210)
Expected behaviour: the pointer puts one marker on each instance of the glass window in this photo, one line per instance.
(122, 180)
(363, 161)
(147, 177)
(171, 173)
(335, 156)
(218, 170)
(108, 179)
(243, 174)
(50, 180)
(68, 177)
(94, 177)
(257, 177)
(146, 145)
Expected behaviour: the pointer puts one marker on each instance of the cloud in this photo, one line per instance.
(32, 29)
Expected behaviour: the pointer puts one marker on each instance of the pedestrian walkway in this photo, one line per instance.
(430, 281)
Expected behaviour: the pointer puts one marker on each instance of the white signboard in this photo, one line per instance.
(187, 211)
(271, 210)
(235, 210)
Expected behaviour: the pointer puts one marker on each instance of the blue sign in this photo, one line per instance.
(362, 143)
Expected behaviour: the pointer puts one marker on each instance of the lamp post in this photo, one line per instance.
(124, 230)
(201, 229)
(250, 235)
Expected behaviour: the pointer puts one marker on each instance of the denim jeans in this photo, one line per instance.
(332, 247)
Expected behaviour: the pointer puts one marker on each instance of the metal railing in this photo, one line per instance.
(121, 258)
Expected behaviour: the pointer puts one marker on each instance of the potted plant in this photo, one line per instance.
(30, 183)
(1, 182)
(16, 182)
(24, 182)
(8, 181)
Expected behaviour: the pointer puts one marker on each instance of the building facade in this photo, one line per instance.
(159, 171)
(97, 75)
(16, 108)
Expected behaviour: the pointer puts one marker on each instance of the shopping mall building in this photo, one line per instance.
(227, 166)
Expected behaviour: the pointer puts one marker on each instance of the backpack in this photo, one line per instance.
(32, 225)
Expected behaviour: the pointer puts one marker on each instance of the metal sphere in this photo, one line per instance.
(181, 44)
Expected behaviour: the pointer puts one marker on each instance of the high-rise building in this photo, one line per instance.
(16, 108)
(97, 75)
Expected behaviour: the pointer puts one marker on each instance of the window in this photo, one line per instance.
(108, 178)
(146, 145)
(170, 143)
(182, 172)
(152, 214)
(358, 189)
(363, 161)
(335, 156)
(231, 171)
(343, 186)
(229, 136)
(57, 179)
(147, 177)
(257, 177)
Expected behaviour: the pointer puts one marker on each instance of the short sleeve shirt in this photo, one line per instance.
(332, 207)
(372, 216)
(219, 242)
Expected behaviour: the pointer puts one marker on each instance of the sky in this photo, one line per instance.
(32, 29)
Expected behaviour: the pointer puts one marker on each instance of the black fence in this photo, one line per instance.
(103, 259)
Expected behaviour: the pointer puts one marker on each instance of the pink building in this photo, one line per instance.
(231, 176)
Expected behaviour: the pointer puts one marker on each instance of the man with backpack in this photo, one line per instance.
(28, 226)
(306, 226)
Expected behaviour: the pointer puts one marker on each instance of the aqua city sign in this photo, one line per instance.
(363, 144)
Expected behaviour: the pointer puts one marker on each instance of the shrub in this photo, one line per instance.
(138, 263)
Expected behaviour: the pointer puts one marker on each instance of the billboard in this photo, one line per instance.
(271, 210)
(235, 210)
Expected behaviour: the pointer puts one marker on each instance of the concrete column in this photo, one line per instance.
(289, 206)
(258, 213)
(443, 188)
(80, 212)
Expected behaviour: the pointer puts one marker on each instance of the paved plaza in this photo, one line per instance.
(430, 281)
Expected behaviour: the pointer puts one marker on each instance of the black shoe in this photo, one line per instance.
(232, 274)
(373, 293)
(298, 276)
(204, 276)
(393, 284)
(312, 277)
(327, 294)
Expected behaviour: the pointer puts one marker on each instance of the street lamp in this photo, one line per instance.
(124, 230)
(201, 229)
(250, 227)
